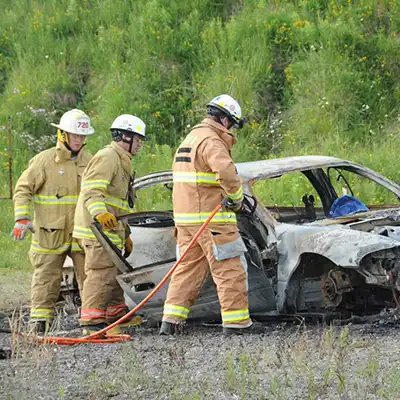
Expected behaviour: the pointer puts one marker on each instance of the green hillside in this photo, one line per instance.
(313, 77)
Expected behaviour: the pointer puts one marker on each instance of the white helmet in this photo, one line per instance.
(229, 106)
(75, 121)
(130, 124)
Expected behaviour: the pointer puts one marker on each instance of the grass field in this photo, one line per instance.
(313, 77)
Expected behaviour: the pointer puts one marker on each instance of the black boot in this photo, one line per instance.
(39, 327)
(255, 327)
(169, 328)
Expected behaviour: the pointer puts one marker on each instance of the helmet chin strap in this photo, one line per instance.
(230, 123)
(64, 139)
(130, 142)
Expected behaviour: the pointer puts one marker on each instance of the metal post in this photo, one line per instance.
(10, 158)
(10, 162)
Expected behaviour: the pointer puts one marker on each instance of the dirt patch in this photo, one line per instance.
(15, 288)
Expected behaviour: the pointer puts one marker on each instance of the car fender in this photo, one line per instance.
(340, 245)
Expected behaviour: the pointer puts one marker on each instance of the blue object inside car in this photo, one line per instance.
(346, 205)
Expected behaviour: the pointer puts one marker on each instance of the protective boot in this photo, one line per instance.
(135, 321)
(39, 327)
(90, 329)
(169, 328)
(254, 328)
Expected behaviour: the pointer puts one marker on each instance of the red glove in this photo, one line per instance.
(21, 227)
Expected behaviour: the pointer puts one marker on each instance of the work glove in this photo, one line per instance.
(128, 247)
(107, 220)
(21, 227)
(235, 206)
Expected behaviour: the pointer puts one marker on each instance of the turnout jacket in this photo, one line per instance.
(203, 174)
(106, 186)
(51, 183)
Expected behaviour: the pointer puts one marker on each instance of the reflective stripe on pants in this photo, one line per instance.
(101, 291)
(229, 275)
(46, 281)
(40, 314)
(115, 311)
(177, 311)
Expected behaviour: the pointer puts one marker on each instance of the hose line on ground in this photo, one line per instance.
(96, 337)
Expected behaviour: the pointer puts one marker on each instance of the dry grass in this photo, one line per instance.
(331, 364)
(23, 344)
(306, 363)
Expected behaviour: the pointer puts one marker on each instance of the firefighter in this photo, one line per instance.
(203, 174)
(52, 182)
(107, 192)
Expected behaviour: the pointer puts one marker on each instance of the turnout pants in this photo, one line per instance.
(46, 281)
(102, 297)
(222, 253)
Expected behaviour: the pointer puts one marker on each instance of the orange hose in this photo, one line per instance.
(94, 337)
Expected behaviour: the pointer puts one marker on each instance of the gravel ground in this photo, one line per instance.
(290, 360)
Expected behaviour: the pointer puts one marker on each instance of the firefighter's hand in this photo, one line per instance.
(21, 228)
(107, 220)
(235, 206)
(128, 247)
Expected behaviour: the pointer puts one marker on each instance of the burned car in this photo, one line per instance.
(301, 260)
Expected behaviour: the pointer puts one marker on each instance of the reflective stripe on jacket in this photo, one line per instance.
(105, 187)
(203, 174)
(50, 185)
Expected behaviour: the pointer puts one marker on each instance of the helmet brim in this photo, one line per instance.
(232, 117)
(143, 137)
(91, 130)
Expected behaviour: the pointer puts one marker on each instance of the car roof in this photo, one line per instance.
(264, 169)
(278, 166)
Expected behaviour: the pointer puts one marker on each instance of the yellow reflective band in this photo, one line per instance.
(237, 315)
(22, 207)
(75, 247)
(199, 218)
(97, 207)
(116, 202)
(54, 200)
(42, 313)
(238, 195)
(195, 177)
(95, 183)
(22, 210)
(86, 233)
(35, 246)
(179, 311)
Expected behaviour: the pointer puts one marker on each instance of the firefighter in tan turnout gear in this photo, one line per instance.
(52, 183)
(107, 193)
(203, 174)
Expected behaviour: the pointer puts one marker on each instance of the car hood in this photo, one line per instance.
(342, 245)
